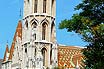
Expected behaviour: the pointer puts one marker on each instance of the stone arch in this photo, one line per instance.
(34, 20)
(44, 26)
(44, 47)
(34, 25)
(45, 20)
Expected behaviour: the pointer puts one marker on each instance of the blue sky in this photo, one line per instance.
(9, 16)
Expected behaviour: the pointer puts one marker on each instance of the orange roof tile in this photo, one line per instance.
(17, 33)
(68, 56)
(6, 51)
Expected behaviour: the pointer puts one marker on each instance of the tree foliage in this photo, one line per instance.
(90, 24)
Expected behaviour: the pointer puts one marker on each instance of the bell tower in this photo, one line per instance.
(39, 7)
(41, 15)
(39, 34)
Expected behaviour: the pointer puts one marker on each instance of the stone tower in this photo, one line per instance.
(39, 35)
(34, 44)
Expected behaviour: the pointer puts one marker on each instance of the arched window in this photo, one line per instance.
(35, 6)
(44, 55)
(52, 31)
(26, 23)
(34, 25)
(44, 30)
(34, 36)
(35, 51)
(44, 6)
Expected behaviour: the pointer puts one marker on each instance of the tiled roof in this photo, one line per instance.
(69, 56)
(6, 51)
(17, 33)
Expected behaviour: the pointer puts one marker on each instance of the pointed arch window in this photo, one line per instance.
(35, 6)
(44, 55)
(52, 32)
(34, 25)
(44, 6)
(35, 51)
(44, 30)
(26, 23)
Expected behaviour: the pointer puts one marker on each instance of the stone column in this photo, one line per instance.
(54, 55)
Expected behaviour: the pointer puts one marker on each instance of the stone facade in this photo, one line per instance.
(1, 63)
(34, 44)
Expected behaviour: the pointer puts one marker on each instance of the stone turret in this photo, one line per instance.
(39, 26)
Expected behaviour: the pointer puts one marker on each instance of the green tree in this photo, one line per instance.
(90, 24)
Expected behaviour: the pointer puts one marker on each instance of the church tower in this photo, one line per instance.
(39, 34)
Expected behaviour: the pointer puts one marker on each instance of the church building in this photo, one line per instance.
(34, 45)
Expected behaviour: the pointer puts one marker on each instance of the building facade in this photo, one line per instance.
(34, 44)
(1, 63)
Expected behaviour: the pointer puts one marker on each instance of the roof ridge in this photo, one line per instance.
(6, 50)
(19, 30)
